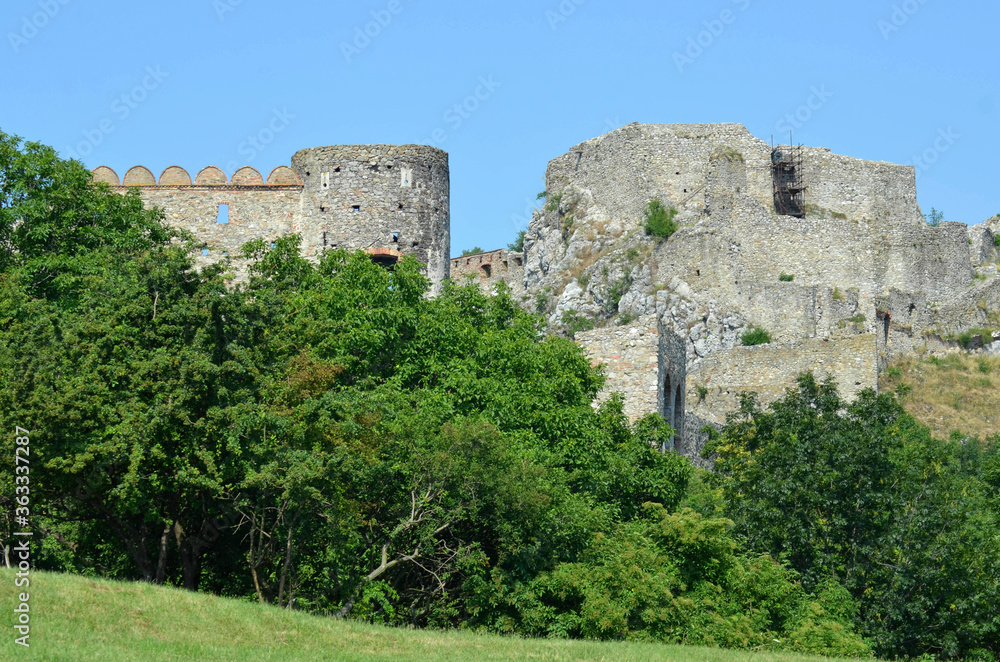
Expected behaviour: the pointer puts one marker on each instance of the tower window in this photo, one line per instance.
(356, 208)
(395, 237)
(223, 213)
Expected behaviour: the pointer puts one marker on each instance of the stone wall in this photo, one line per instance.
(391, 201)
(770, 370)
(862, 266)
(490, 269)
(631, 359)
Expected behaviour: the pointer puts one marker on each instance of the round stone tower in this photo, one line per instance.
(390, 200)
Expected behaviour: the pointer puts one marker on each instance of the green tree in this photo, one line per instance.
(475, 250)
(518, 245)
(862, 495)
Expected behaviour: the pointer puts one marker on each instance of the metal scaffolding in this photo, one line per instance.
(789, 187)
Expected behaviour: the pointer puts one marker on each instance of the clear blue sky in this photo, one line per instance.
(189, 82)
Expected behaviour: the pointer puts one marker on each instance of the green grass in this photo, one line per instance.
(83, 620)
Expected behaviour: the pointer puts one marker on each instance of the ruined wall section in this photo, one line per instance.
(490, 269)
(254, 213)
(769, 370)
(631, 356)
(379, 197)
(821, 282)
(863, 231)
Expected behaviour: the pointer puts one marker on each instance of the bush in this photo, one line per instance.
(660, 220)
(616, 291)
(786, 278)
(575, 323)
(677, 578)
(756, 336)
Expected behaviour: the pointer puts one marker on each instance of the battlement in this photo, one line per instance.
(388, 200)
(210, 176)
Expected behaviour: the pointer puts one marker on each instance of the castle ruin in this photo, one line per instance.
(829, 254)
(391, 201)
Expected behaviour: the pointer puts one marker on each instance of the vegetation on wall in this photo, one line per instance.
(755, 336)
(659, 221)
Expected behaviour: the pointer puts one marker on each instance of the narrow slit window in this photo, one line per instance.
(204, 251)
(395, 237)
(356, 208)
(223, 215)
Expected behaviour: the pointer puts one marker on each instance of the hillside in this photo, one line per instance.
(85, 620)
(957, 392)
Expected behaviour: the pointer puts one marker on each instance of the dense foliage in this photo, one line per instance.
(860, 495)
(327, 437)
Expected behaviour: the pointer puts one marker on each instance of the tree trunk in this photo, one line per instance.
(161, 564)
(189, 559)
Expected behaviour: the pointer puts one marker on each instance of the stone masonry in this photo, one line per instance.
(860, 279)
(491, 268)
(389, 200)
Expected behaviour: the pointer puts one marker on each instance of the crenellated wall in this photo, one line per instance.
(391, 201)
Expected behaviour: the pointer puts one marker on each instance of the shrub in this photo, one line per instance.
(541, 302)
(996, 240)
(576, 323)
(837, 294)
(934, 218)
(660, 220)
(615, 293)
(756, 336)
(786, 278)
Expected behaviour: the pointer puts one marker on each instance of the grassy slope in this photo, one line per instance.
(959, 392)
(79, 619)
